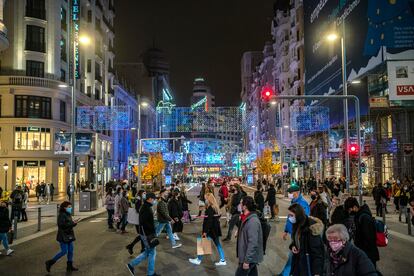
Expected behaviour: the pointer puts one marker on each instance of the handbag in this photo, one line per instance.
(149, 241)
(204, 246)
(178, 226)
(133, 216)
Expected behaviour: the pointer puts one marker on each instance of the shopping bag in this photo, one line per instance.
(266, 210)
(204, 246)
(133, 216)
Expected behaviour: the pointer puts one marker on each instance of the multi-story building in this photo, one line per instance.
(4, 42)
(34, 85)
(202, 95)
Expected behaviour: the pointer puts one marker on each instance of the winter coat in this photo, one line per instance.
(365, 234)
(5, 222)
(271, 196)
(118, 198)
(250, 240)
(17, 197)
(25, 200)
(259, 200)
(184, 202)
(235, 201)
(175, 209)
(310, 243)
(353, 262)
(123, 206)
(65, 232)
(110, 202)
(162, 211)
(224, 192)
(211, 223)
(138, 204)
(146, 219)
(379, 195)
(302, 202)
(404, 197)
(318, 209)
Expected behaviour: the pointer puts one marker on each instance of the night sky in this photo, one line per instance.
(201, 38)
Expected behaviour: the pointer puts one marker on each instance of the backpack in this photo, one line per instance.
(265, 231)
(18, 198)
(381, 233)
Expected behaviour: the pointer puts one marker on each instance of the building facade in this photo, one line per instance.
(35, 77)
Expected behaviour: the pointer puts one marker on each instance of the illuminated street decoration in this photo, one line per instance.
(309, 118)
(199, 104)
(103, 117)
(184, 119)
(153, 146)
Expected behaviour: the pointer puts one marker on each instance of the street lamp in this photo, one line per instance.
(82, 40)
(5, 167)
(143, 104)
(332, 37)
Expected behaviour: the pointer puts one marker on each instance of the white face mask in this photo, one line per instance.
(239, 208)
(290, 196)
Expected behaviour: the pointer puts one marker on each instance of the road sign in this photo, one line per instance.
(285, 167)
(408, 148)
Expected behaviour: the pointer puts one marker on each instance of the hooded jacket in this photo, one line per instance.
(353, 262)
(302, 202)
(310, 242)
(250, 240)
(365, 234)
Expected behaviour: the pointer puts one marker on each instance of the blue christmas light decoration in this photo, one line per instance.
(152, 146)
(309, 118)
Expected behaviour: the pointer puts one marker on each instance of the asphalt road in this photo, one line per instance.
(99, 252)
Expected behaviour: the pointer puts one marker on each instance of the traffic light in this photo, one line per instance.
(353, 149)
(363, 167)
(267, 94)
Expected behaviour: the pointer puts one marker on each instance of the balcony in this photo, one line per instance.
(30, 81)
(36, 13)
(108, 24)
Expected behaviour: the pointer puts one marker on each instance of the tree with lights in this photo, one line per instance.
(265, 166)
(154, 167)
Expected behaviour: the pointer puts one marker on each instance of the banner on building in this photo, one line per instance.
(63, 143)
(401, 79)
(83, 143)
(336, 140)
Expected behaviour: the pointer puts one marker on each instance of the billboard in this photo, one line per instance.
(83, 143)
(375, 30)
(401, 80)
(62, 143)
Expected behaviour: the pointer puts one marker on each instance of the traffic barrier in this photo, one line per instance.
(409, 221)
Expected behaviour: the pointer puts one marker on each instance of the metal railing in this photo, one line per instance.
(30, 81)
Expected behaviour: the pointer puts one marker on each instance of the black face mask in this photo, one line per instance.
(313, 197)
(352, 213)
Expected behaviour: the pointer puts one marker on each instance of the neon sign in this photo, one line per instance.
(75, 20)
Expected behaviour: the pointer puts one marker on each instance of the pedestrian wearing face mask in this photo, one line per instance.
(365, 233)
(404, 196)
(307, 246)
(65, 237)
(345, 259)
(234, 210)
(318, 208)
(296, 197)
(141, 196)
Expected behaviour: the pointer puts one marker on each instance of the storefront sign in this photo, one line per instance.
(62, 143)
(75, 20)
(31, 163)
(401, 80)
(83, 143)
(378, 102)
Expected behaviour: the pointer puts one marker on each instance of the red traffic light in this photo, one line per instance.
(267, 94)
(353, 149)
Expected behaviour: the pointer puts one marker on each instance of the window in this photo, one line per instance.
(63, 111)
(89, 16)
(63, 53)
(35, 38)
(89, 65)
(36, 9)
(32, 107)
(35, 68)
(63, 19)
(62, 75)
(89, 91)
(32, 138)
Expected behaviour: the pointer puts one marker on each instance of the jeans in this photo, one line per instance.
(24, 214)
(233, 221)
(5, 240)
(161, 226)
(252, 271)
(219, 249)
(122, 222)
(16, 211)
(149, 254)
(110, 217)
(403, 210)
(65, 248)
(288, 265)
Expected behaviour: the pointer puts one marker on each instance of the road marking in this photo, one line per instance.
(401, 236)
(98, 220)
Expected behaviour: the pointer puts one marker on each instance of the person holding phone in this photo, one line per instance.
(65, 237)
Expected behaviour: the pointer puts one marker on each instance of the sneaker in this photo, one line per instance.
(131, 269)
(221, 263)
(177, 245)
(9, 252)
(167, 237)
(195, 261)
(176, 237)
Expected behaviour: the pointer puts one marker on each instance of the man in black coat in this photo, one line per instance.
(365, 234)
(259, 199)
(380, 197)
(146, 221)
(271, 199)
(234, 211)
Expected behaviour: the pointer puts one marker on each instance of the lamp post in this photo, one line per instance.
(84, 40)
(5, 167)
(333, 37)
(140, 104)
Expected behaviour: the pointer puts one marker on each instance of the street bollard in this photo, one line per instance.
(383, 213)
(409, 221)
(39, 218)
(15, 228)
